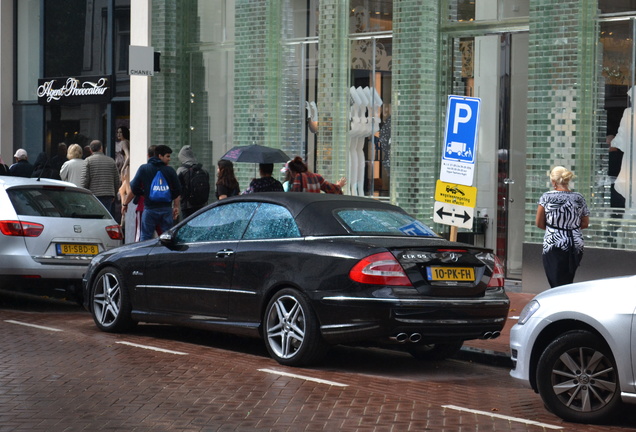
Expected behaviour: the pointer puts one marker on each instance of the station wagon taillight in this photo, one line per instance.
(379, 269)
(114, 232)
(21, 229)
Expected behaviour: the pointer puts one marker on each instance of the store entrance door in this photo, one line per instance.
(512, 144)
(495, 69)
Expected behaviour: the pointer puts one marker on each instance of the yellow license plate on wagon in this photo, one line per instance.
(460, 274)
(77, 249)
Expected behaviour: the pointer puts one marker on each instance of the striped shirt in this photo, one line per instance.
(563, 213)
(100, 175)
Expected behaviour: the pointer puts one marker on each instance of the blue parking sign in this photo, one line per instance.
(462, 120)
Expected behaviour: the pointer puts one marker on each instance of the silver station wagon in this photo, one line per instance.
(49, 232)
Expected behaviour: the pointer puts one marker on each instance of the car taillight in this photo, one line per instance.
(379, 269)
(498, 274)
(21, 229)
(114, 232)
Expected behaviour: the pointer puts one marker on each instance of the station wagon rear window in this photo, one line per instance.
(56, 202)
(383, 222)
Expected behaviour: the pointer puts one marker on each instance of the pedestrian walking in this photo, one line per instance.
(195, 182)
(42, 168)
(73, 168)
(59, 158)
(159, 184)
(226, 184)
(265, 183)
(562, 213)
(22, 167)
(306, 181)
(101, 177)
(137, 204)
(4, 169)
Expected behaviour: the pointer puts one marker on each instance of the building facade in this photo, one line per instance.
(357, 88)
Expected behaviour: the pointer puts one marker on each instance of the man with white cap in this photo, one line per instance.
(22, 167)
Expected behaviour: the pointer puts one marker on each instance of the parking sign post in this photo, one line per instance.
(458, 162)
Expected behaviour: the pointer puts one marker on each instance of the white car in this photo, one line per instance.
(49, 232)
(576, 346)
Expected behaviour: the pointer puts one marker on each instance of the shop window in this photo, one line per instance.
(67, 51)
(370, 16)
(369, 167)
(122, 39)
(616, 138)
(28, 49)
(210, 28)
(479, 10)
(614, 6)
(298, 92)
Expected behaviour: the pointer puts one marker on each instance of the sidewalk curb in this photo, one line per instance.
(483, 356)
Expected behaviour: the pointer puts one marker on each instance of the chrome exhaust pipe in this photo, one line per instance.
(486, 335)
(495, 334)
(415, 337)
(400, 337)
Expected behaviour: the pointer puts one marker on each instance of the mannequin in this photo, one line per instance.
(375, 106)
(359, 129)
(312, 116)
(354, 133)
(623, 141)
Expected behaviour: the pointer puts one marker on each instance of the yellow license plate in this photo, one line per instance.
(461, 274)
(77, 249)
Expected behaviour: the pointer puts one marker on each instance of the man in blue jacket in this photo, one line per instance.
(157, 211)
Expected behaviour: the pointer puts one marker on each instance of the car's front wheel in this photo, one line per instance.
(110, 305)
(577, 378)
(291, 330)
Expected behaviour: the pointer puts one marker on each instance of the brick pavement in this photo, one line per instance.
(101, 385)
(81, 379)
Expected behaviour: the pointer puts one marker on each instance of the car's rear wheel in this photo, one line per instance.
(577, 378)
(109, 300)
(291, 330)
(437, 351)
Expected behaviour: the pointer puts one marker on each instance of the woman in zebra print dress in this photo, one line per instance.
(562, 214)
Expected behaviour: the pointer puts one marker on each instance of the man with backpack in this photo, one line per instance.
(159, 184)
(195, 182)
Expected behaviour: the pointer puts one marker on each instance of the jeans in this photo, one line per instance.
(151, 218)
(109, 203)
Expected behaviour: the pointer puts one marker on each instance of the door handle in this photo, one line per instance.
(224, 253)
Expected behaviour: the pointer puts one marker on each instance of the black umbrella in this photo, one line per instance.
(255, 154)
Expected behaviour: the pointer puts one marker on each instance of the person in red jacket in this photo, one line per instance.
(306, 181)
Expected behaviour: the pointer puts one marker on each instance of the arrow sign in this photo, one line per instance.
(443, 214)
(450, 214)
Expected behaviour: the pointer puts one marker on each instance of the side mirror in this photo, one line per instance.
(166, 239)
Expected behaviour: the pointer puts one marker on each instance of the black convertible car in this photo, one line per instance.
(304, 271)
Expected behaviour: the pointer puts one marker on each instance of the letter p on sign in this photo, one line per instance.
(461, 108)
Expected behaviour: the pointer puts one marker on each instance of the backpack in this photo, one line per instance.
(160, 189)
(196, 185)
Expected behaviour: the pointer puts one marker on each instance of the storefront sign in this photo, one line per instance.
(141, 60)
(71, 90)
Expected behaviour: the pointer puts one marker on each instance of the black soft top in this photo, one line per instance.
(314, 212)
